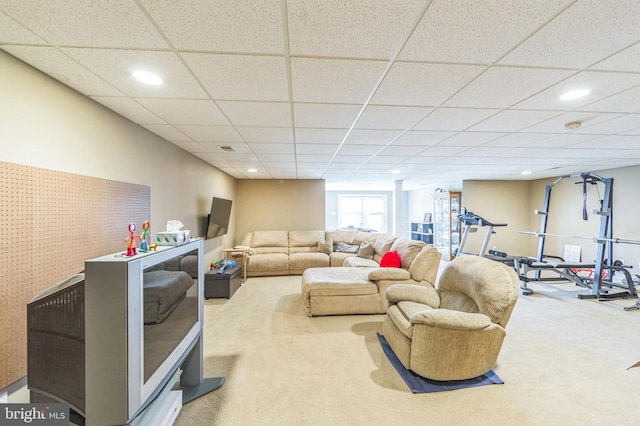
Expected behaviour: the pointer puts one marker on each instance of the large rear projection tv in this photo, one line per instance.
(219, 217)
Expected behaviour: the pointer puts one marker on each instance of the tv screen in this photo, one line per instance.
(219, 217)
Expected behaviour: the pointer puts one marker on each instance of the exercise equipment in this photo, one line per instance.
(604, 258)
(471, 222)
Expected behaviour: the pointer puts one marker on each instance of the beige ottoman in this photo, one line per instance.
(339, 291)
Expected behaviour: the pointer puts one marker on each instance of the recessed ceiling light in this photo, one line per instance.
(575, 94)
(526, 172)
(147, 77)
(252, 170)
(395, 171)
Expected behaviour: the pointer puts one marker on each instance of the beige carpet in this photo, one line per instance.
(564, 362)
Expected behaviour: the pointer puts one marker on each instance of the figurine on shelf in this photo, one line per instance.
(131, 247)
(144, 237)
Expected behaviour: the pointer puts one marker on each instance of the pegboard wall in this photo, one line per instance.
(50, 223)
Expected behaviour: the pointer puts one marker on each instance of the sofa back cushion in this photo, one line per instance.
(362, 237)
(407, 249)
(304, 241)
(341, 236)
(425, 265)
(382, 245)
(270, 242)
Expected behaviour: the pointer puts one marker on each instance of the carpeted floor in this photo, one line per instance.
(564, 362)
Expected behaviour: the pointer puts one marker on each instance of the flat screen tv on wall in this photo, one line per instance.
(219, 217)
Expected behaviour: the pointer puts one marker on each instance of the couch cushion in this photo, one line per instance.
(337, 259)
(270, 239)
(371, 237)
(382, 245)
(344, 236)
(268, 264)
(365, 250)
(407, 250)
(359, 262)
(337, 282)
(325, 245)
(300, 241)
(425, 265)
(299, 262)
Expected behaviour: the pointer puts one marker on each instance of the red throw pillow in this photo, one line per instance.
(390, 259)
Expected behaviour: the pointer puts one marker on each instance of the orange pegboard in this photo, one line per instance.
(50, 223)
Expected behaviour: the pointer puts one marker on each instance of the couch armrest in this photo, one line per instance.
(453, 320)
(414, 293)
(380, 274)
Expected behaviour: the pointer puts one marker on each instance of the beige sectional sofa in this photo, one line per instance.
(292, 252)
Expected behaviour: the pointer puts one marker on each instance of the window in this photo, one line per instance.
(367, 212)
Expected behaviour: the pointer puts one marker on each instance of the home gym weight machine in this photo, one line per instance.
(604, 257)
(472, 222)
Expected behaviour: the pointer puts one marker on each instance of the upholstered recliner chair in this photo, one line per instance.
(454, 331)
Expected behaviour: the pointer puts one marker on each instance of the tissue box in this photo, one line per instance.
(176, 238)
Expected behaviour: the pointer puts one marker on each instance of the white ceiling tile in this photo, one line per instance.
(610, 143)
(481, 32)
(350, 159)
(390, 117)
(267, 114)
(441, 151)
(626, 60)
(557, 124)
(482, 151)
(585, 33)
(211, 133)
(59, 66)
(411, 83)
(396, 149)
(502, 87)
(240, 77)
(333, 80)
(513, 120)
(563, 141)
(363, 136)
(471, 138)
(334, 136)
(313, 26)
(422, 137)
(192, 147)
(13, 32)
(454, 119)
(266, 134)
(325, 115)
(617, 125)
(117, 23)
(238, 148)
(183, 111)
(627, 101)
(316, 148)
(518, 139)
(601, 84)
(313, 158)
(130, 109)
(360, 149)
(117, 67)
(167, 132)
(276, 157)
(272, 148)
(220, 25)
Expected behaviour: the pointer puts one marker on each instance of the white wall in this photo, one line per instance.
(44, 123)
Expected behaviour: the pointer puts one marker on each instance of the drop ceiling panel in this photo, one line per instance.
(272, 148)
(167, 132)
(422, 137)
(316, 148)
(563, 141)
(313, 26)
(616, 125)
(627, 101)
(557, 124)
(183, 111)
(420, 84)
(240, 77)
(563, 42)
(513, 120)
(455, 119)
(267, 114)
(502, 87)
(626, 60)
(601, 84)
(362, 136)
(360, 149)
(86, 23)
(391, 117)
(117, 67)
(130, 109)
(333, 80)
(266, 134)
(13, 32)
(469, 37)
(470, 138)
(333, 136)
(325, 115)
(220, 25)
(518, 139)
(211, 133)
